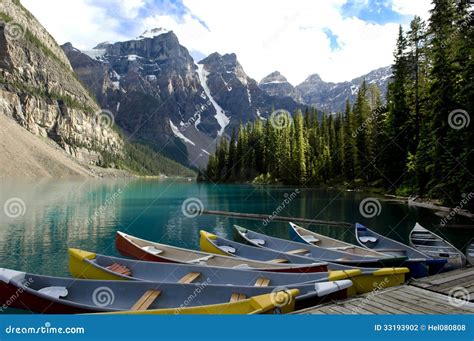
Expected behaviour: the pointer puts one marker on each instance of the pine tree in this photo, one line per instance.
(443, 32)
(397, 122)
(350, 155)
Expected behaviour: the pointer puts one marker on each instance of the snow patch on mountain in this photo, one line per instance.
(132, 57)
(220, 116)
(152, 33)
(96, 54)
(179, 134)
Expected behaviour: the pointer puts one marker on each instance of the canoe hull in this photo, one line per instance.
(315, 253)
(57, 295)
(128, 249)
(420, 264)
(438, 249)
(381, 263)
(367, 283)
(298, 234)
(14, 297)
(78, 268)
(364, 282)
(418, 269)
(260, 304)
(470, 254)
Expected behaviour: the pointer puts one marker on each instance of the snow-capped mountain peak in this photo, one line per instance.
(153, 33)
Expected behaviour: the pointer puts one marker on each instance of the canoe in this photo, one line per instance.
(211, 243)
(141, 249)
(308, 251)
(470, 254)
(436, 247)
(88, 265)
(368, 280)
(420, 264)
(301, 235)
(47, 294)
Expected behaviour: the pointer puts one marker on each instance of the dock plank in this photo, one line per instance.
(425, 296)
(430, 307)
(396, 305)
(445, 277)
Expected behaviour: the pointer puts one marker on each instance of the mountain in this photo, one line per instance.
(325, 96)
(40, 92)
(161, 97)
(152, 87)
(239, 94)
(51, 125)
(275, 84)
(331, 97)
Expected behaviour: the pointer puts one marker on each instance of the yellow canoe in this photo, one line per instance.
(281, 302)
(89, 265)
(364, 280)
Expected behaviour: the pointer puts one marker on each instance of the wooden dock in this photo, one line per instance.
(447, 293)
(449, 282)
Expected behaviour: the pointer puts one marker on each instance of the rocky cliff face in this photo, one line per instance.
(239, 94)
(162, 97)
(152, 87)
(39, 89)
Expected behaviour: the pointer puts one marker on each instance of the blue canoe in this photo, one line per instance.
(420, 264)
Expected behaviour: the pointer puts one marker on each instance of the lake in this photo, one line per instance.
(41, 219)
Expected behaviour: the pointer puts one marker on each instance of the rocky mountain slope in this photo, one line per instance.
(160, 96)
(40, 91)
(275, 84)
(239, 94)
(151, 86)
(326, 96)
(22, 154)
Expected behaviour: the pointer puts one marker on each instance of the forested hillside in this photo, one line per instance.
(418, 143)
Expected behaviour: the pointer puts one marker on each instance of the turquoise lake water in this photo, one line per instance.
(40, 220)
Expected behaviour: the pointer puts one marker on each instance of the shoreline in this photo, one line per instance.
(412, 201)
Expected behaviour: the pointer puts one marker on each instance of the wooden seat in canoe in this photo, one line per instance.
(237, 297)
(146, 300)
(120, 269)
(342, 248)
(262, 282)
(298, 251)
(278, 260)
(189, 278)
(390, 250)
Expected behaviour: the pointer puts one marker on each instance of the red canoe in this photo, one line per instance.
(155, 252)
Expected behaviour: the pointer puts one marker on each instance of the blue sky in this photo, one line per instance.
(338, 39)
(375, 11)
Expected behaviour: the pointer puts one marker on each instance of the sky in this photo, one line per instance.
(337, 39)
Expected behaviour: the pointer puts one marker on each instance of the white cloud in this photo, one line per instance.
(288, 36)
(279, 35)
(75, 21)
(129, 8)
(411, 7)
